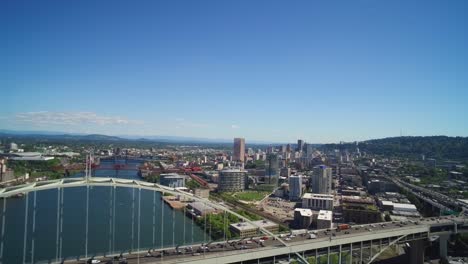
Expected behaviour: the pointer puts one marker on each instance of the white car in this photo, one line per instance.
(95, 261)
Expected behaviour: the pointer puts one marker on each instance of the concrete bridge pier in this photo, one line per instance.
(443, 240)
(416, 252)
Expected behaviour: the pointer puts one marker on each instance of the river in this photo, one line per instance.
(48, 238)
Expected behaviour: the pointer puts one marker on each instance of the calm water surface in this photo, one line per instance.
(48, 238)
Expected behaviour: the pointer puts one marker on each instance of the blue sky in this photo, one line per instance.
(323, 71)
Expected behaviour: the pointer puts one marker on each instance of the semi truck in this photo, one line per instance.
(343, 227)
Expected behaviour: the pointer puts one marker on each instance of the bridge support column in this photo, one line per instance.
(360, 258)
(351, 253)
(33, 228)
(339, 255)
(26, 207)
(443, 240)
(416, 252)
(3, 227)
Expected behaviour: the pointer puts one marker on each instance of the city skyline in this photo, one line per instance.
(262, 71)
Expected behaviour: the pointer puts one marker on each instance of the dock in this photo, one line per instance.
(173, 202)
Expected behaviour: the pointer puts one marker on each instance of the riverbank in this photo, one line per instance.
(173, 202)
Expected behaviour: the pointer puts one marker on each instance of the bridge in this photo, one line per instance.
(360, 244)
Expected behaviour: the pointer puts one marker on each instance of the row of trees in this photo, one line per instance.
(218, 224)
(50, 168)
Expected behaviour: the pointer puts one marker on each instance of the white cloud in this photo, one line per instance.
(235, 126)
(71, 118)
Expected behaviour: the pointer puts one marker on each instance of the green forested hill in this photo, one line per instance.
(439, 147)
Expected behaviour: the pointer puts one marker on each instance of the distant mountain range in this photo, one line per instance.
(99, 137)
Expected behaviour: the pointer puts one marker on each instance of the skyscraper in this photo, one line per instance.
(239, 149)
(322, 179)
(295, 187)
(300, 145)
(272, 169)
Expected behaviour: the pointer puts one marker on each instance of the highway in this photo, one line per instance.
(323, 238)
(437, 199)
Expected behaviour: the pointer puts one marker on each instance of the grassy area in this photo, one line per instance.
(250, 195)
(191, 184)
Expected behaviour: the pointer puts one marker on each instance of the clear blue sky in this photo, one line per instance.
(323, 71)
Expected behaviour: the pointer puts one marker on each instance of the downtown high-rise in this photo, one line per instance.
(239, 149)
(322, 179)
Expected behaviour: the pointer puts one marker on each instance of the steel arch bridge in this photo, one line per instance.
(299, 250)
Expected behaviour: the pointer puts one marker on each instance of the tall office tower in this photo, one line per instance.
(295, 187)
(283, 148)
(309, 150)
(239, 149)
(322, 179)
(300, 145)
(288, 148)
(272, 168)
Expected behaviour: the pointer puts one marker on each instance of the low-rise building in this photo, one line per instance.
(317, 201)
(172, 180)
(324, 219)
(361, 213)
(200, 209)
(201, 192)
(246, 229)
(302, 217)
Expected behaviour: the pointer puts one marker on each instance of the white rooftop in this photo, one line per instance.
(249, 226)
(325, 215)
(317, 196)
(388, 203)
(304, 211)
(404, 207)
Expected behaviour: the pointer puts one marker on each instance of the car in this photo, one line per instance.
(346, 232)
(287, 239)
(95, 261)
(196, 254)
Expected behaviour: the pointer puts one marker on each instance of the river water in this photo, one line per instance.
(49, 237)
